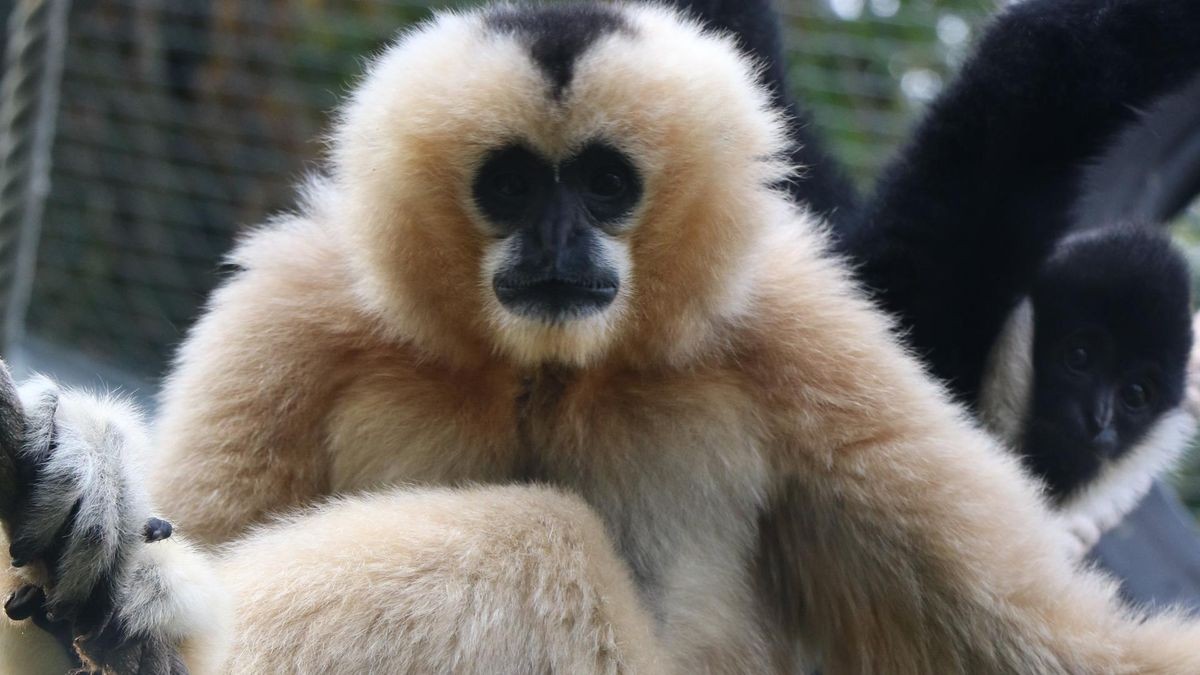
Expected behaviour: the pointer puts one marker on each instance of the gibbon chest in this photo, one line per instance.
(673, 464)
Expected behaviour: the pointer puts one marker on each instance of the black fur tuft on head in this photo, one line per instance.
(1130, 279)
(557, 35)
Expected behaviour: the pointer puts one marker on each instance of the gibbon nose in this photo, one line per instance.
(560, 233)
(1099, 420)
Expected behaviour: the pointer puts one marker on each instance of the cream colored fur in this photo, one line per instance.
(768, 477)
(1008, 377)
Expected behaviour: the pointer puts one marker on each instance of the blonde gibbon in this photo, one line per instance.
(546, 375)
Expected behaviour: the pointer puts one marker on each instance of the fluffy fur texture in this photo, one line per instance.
(1121, 483)
(768, 477)
(79, 533)
(1008, 380)
(1123, 294)
(1102, 501)
(475, 580)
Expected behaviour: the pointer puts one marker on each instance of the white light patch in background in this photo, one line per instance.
(885, 8)
(952, 30)
(847, 9)
(921, 84)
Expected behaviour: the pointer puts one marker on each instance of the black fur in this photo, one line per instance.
(558, 34)
(822, 183)
(965, 216)
(1121, 293)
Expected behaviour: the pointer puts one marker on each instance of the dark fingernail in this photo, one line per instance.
(157, 529)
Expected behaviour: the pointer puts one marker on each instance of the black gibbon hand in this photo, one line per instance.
(79, 534)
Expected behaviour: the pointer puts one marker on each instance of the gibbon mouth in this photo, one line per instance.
(555, 297)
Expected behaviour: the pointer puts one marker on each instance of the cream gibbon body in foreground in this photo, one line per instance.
(548, 260)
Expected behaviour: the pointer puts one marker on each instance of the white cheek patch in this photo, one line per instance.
(1007, 390)
(1120, 485)
(614, 254)
(499, 256)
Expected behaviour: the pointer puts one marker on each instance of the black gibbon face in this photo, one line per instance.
(1112, 336)
(1096, 394)
(554, 220)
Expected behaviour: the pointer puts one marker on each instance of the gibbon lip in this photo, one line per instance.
(555, 296)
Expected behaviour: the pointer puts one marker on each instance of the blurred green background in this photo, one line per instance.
(182, 122)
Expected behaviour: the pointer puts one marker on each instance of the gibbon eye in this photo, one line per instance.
(606, 184)
(607, 180)
(510, 185)
(1077, 358)
(1135, 395)
(510, 181)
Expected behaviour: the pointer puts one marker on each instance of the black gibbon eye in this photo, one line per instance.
(1135, 396)
(606, 184)
(1076, 358)
(607, 180)
(509, 185)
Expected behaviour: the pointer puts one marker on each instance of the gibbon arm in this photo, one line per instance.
(90, 564)
(239, 429)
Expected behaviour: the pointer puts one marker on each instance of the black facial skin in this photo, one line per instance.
(1111, 342)
(557, 218)
(1093, 400)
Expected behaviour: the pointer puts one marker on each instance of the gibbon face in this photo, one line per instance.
(1102, 378)
(556, 195)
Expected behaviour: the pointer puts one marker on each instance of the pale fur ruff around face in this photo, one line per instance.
(699, 131)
